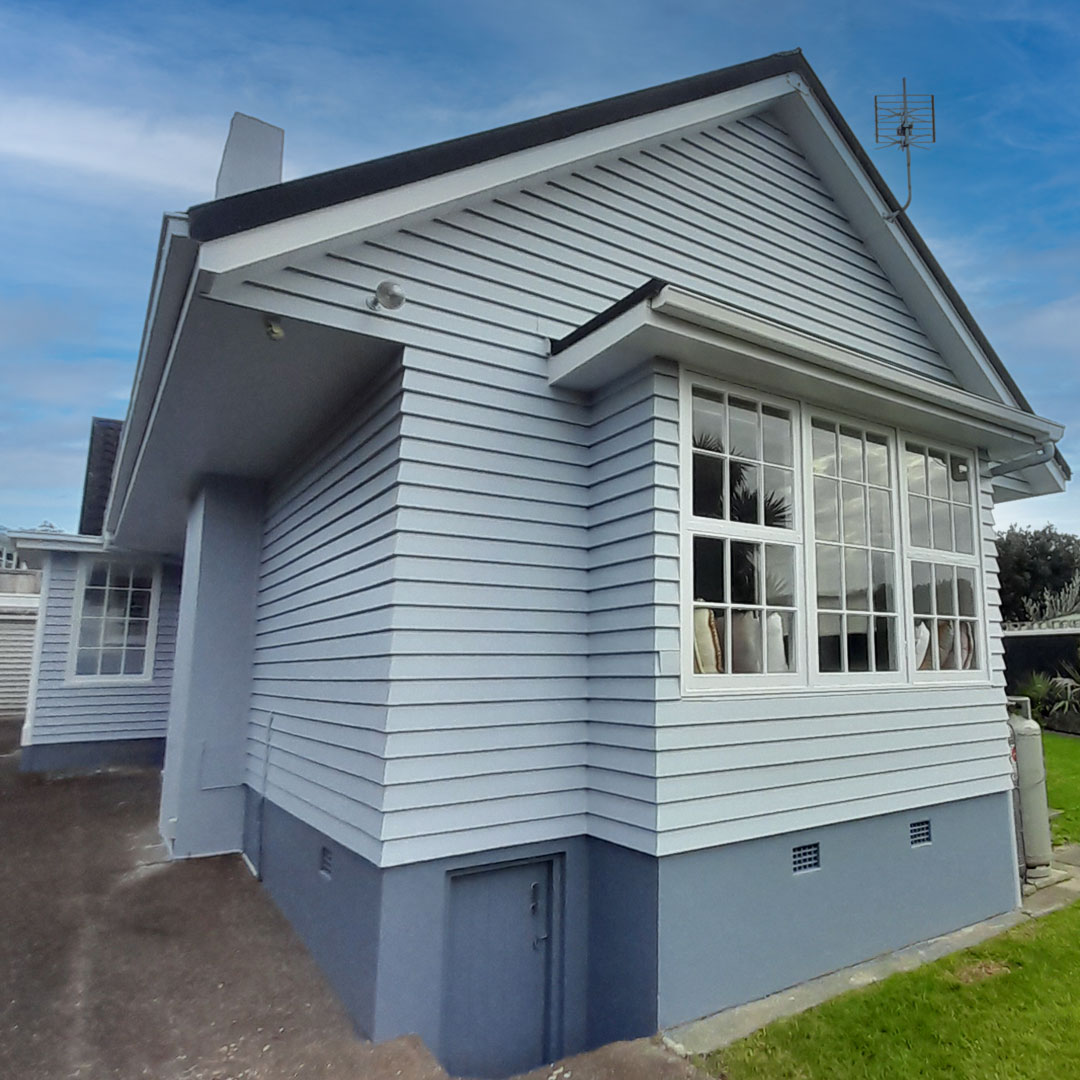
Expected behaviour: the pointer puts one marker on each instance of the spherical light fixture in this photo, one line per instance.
(389, 295)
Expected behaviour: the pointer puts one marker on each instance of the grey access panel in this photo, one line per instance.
(498, 1002)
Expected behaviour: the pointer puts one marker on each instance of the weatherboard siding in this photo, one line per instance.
(468, 627)
(17, 629)
(316, 737)
(67, 712)
(733, 212)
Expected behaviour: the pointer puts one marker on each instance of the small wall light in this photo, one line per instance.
(388, 295)
(274, 330)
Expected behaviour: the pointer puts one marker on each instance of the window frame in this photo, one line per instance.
(720, 528)
(975, 560)
(71, 678)
(808, 679)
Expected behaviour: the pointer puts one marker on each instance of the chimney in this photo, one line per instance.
(252, 156)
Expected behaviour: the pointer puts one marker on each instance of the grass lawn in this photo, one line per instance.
(1062, 753)
(1006, 1010)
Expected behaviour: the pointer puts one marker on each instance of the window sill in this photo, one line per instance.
(76, 682)
(731, 693)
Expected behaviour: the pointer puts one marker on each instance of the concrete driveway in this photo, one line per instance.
(116, 964)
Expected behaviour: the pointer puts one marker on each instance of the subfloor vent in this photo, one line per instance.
(326, 862)
(920, 833)
(805, 857)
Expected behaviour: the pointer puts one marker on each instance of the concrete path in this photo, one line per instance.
(116, 965)
(713, 1032)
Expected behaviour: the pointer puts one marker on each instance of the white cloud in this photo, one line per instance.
(125, 145)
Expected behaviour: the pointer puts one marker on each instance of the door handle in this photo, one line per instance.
(537, 941)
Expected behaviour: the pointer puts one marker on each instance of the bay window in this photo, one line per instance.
(822, 550)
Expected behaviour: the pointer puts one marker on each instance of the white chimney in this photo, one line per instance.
(252, 156)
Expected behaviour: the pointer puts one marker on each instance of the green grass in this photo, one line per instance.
(1006, 1010)
(1062, 754)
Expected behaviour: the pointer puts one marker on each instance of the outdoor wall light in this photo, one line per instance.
(388, 295)
(274, 330)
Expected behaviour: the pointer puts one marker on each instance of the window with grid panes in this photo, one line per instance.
(854, 549)
(114, 634)
(745, 541)
(943, 560)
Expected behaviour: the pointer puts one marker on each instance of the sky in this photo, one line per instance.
(113, 113)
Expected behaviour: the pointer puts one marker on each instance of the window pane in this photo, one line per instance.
(116, 603)
(745, 573)
(746, 644)
(885, 651)
(780, 575)
(709, 424)
(857, 579)
(709, 647)
(939, 474)
(779, 497)
(86, 662)
(90, 633)
(709, 561)
(880, 518)
(942, 522)
(111, 661)
(136, 632)
(99, 575)
(877, 460)
(119, 576)
(780, 641)
(858, 642)
(965, 590)
(826, 509)
(851, 456)
(745, 492)
(823, 438)
(883, 581)
(828, 576)
(829, 636)
(114, 633)
(943, 590)
(924, 653)
(139, 604)
(922, 589)
(133, 661)
(142, 577)
(776, 429)
(94, 602)
(964, 539)
(915, 464)
(966, 653)
(946, 642)
(744, 428)
(919, 512)
(854, 514)
(961, 479)
(709, 485)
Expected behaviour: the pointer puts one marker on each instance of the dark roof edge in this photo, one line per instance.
(644, 292)
(224, 217)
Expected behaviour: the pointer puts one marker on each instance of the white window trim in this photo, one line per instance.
(147, 676)
(976, 560)
(808, 679)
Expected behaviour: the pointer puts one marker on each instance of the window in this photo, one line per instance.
(854, 549)
(944, 573)
(116, 621)
(859, 567)
(744, 548)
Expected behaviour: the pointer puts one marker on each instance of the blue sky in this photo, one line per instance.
(111, 113)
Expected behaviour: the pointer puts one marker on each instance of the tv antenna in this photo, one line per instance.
(904, 120)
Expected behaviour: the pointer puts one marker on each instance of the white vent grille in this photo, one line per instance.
(920, 833)
(805, 857)
(326, 862)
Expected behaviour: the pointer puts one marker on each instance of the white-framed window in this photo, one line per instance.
(943, 565)
(115, 621)
(805, 557)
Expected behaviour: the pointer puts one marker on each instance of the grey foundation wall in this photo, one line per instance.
(736, 923)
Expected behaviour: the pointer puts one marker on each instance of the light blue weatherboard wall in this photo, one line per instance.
(89, 726)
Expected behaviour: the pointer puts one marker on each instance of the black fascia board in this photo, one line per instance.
(639, 295)
(237, 213)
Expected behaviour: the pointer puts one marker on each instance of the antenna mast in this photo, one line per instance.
(904, 120)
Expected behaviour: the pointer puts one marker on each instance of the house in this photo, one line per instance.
(589, 612)
(100, 665)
